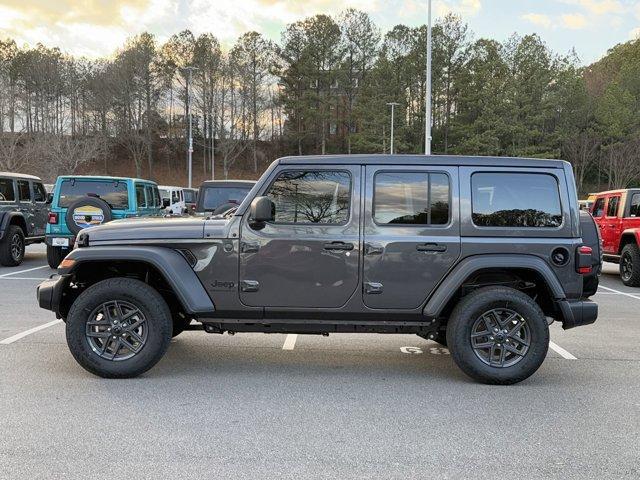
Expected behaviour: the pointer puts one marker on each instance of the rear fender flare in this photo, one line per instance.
(450, 285)
(171, 265)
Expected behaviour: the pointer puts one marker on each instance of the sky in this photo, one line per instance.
(96, 28)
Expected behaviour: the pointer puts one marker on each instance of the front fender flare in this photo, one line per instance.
(445, 291)
(171, 265)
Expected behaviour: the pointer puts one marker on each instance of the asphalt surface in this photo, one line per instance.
(346, 406)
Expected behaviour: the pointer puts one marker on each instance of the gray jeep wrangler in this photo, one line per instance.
(478, 254)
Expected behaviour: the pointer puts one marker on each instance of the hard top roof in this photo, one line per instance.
(228, 182)
(104, 177)
(19, 176)
(453, 160)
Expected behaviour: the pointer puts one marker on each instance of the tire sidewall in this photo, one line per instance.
(470, 309)
(155, 310)
(17, 232)
(91, 202)
(5, 245)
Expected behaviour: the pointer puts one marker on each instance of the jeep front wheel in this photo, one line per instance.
(12, 247)
(498, 335)
(119, 328)
(630, 265)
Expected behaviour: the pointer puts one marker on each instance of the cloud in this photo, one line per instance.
(574, 21)
(465, 8)
(598, 7)
(634, 34)
(538, 19)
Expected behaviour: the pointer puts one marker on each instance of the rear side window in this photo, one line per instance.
(6, 190)
(516, 200)
(24, 192)
(320, 196)
(115, 193)
(39, 192)
(174, 197)
(411, 198)
(140, 199)
(612, 206)
(189, 196)
(635, 205)
(148, 190)
(598, 207)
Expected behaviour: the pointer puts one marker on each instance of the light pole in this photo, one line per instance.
(393, 105)
(190, 71)
(427, 116)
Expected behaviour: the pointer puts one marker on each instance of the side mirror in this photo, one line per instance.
(262, 210)
(165, 202)
(49, 198)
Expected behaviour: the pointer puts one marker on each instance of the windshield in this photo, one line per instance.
(113, 192)
(216, 196)
(190, 196)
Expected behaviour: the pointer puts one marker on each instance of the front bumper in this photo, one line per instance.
(50, 292)
(577, 313)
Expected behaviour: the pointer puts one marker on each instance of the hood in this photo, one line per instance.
(149, 228)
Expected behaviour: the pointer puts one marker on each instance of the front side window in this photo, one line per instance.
(115, 193)
(598, 207)
(140, 200)
(635, 205)
(6, 190)
(612, 206)
(411, 198)
(516, 200)
(321, 196)
(24, 192)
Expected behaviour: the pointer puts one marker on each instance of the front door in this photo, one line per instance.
(412, 233)
(309, 255)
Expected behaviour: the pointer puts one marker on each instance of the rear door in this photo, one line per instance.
(611, 224)
(26, 205)
(411, 233)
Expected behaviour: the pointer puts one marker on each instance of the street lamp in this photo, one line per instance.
(190, 71)
(427, 116)
(393, 105)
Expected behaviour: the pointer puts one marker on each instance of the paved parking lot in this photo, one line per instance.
(346, 406)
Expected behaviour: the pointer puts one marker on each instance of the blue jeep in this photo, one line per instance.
(84, 201)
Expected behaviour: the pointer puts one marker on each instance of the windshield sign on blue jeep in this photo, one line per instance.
(479, 254)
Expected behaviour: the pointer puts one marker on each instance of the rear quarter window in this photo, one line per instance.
(515, 200)
(7, 194)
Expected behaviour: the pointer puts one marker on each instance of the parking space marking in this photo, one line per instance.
(619, 292)
(561, 351)
(23, 271)
(290, 341)
(18, 336)
(28, 278)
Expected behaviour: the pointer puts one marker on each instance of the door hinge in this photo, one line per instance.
(249, 285)
(373, 288)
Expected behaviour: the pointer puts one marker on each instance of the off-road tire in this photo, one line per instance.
(55, 255)
(8, 257)
(474, 305)
(141, 295)
(631, 252)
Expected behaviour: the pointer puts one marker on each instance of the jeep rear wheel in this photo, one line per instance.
(630, 265)
(12, 247)
(119, 328)
(498, 335)
(55, 255)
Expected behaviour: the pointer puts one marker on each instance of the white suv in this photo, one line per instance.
(173, 200)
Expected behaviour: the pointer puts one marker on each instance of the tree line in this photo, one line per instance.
(323, 88)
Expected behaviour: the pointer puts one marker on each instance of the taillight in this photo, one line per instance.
(53, 218)
(584, 266)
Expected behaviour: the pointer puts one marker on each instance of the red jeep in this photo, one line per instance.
(617, 213)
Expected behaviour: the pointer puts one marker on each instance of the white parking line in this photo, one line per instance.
(33, 278)
(23, 271)
(619, 292)
(290, 341)
(561, 351)
(17, 337)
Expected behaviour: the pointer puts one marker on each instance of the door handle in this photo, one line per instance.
(249, 247)
(431, 247)
(338, 246)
